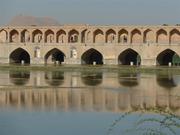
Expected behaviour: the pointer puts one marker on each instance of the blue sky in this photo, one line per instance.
(95, 11)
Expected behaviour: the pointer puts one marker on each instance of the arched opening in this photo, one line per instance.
(60, 38)
(136, 36)
(54, 78)
(92, 79)
(83, 36)
(92, 56)
(88, 37)
(149, 36)
(19, 56)
(168, 57)
(129, 57)
(14, 36)
(49, 36)
(161, 37)
(25, 36)
(123, 36)
(174, 36)
(19, 77)
(73, 36)
(98, 36)
(37, 36)
(54, 56)
(3, 36)
(110, 36)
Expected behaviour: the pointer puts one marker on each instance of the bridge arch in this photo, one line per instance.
(110, 36)
(92, 56)
(25, 36)
(167, 56)
(37, 36)
(54, 56)
(73, 36)
(98, 36)
(60, 36)
(49, 36)
(123, 36)
(14, 36)
(129, 56)
(174, 36)
(3, 35)
(161, 36)
(136, 36)
(148, 36)
(19, 56)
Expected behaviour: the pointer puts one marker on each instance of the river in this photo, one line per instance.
(91, 103)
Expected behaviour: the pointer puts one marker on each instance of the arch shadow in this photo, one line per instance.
(19, 78)
(54, 56)
(92, 79)
(128, 79)
(166, 81)
(54, 78)
(167, 56)
(129, 57)
(91, 57)
(19, 56)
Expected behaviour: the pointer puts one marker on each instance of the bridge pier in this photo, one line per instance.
(4, 60)
(72, 61)
(148, 62)
(110, 61)
(37, 61)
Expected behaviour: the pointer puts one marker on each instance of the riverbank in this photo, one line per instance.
(90, 68)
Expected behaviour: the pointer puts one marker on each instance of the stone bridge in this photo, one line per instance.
(90, 44)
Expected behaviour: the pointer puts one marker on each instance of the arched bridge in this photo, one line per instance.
(87, 44)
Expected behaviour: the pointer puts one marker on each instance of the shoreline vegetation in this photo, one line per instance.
(92, 68)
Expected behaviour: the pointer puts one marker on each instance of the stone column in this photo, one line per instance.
(79, 37)
(116, 36)
(31, 36)
(43, 36)
(19, 40)
(155, 36)
(55, 35)
(8, 36)
(142, 36)
(168, 36)
(66, 38)
(104, 37)
(129, 37)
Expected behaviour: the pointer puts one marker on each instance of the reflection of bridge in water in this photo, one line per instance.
(87, 100)
(84, 79)
(89, 92)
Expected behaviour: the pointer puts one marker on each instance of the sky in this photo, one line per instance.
(105, 12)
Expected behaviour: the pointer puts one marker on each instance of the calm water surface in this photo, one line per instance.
(98, 103)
